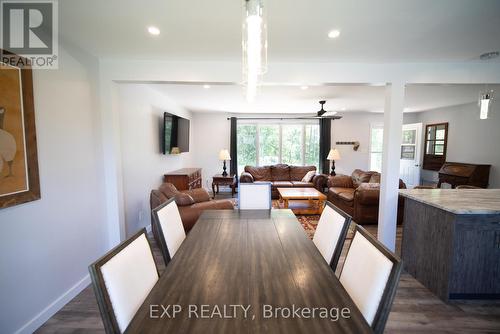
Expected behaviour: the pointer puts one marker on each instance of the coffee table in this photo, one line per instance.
(309, 201)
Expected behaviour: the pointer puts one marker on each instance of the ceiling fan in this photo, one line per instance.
(326, 114)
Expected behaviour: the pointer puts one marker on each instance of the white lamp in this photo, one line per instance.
(333, 155)
(224, 155)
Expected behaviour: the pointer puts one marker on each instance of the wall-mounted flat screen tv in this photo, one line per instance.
(175, 133)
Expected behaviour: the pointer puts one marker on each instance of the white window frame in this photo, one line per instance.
(373, 126)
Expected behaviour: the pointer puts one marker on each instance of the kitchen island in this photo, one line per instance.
(451, 241)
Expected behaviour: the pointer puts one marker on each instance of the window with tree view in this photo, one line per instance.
(289, 143)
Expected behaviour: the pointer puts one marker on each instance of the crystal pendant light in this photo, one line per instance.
(254, 46)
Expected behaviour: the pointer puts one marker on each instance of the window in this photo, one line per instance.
(435, 146)
(269, 144)
(291, 152)
(247, 143)
(290, 143)
(376, 146)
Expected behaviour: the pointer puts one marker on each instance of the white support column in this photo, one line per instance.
(393, 122)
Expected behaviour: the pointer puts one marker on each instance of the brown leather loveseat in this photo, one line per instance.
(283, 176)
(191, 203)
(358, 195)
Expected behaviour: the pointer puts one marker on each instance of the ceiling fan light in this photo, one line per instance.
(329, 113)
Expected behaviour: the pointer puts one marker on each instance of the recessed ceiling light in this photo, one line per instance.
(304, 87)
(153, 30)
(334, 34)
(206, 86)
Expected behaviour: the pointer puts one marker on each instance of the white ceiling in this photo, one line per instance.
(292, 99)
(371, 31)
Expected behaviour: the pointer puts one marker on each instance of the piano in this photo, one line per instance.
(457, 173)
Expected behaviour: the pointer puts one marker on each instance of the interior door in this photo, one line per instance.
(411, 145)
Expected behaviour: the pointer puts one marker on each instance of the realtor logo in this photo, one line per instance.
(29, 29)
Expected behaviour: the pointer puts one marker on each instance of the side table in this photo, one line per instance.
(220, 180)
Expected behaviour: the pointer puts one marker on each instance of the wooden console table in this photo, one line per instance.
(220, 180)
(185, 178)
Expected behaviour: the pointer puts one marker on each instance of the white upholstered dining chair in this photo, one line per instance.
(122, 279)
(254, 196)
(330, 233)
(370, 276)
(170, 228)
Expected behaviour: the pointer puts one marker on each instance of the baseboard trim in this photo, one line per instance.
(55, 306)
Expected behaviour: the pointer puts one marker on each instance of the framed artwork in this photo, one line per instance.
(19, 180)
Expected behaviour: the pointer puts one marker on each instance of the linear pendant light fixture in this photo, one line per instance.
(254, 46)
(484, 104)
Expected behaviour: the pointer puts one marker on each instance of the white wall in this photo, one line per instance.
(140, 110)
(356, 127)
(469, 138)
(211, 133)
(46, 245)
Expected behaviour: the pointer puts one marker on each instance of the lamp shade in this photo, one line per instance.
(333, 154)
(224, 155)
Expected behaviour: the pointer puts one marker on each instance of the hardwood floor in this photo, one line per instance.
(415, 310)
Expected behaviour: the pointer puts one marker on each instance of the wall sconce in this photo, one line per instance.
(355, 144)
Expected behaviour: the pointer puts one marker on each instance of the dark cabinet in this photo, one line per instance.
(457, 173)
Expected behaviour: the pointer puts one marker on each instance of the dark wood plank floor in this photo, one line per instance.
(415, 310)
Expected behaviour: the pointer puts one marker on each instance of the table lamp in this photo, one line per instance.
(333, 155)
(224, 155)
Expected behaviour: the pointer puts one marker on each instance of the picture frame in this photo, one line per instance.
(19, 177)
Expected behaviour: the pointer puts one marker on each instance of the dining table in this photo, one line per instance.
(248, 271)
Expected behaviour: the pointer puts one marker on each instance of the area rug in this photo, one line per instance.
(308, 222)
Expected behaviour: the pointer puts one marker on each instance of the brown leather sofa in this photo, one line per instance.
(358, 195)
(191, 203)
(283, 176)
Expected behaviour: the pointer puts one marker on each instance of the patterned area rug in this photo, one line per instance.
(308, 222)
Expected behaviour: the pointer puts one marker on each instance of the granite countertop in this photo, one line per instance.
(459, 201)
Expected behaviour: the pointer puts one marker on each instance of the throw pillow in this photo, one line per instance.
(309, 175)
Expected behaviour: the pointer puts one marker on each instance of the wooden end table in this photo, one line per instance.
(315, 200)
(220, 180)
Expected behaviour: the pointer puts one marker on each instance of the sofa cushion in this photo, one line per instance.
(359, 176)
(303, 184)
(375, 178)
(182, 199)
(298, 172)
(338, 190)
(280, 172)
(169, 190)
(220, 204)
(347, 195)
(282, 184)
(259, 173)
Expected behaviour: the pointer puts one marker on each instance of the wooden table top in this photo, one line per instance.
(301, 193)
(260, 260)
(220, 176)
